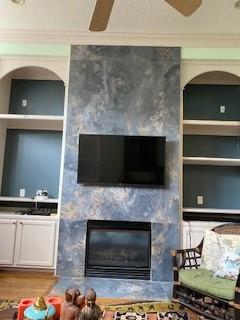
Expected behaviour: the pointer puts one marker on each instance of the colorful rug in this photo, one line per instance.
(8, 303)
(140, 310)
(147, 310)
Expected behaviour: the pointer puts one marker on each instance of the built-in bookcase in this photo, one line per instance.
(211, 150)
(31, 125)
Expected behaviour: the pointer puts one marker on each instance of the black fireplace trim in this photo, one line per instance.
(115, 272)
(124, 225)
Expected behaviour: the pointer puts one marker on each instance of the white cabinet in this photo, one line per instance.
(7, 241)
(35, 243)
(27, 243)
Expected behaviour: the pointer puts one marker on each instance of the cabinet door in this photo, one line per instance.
(7, 241)
(35, 243)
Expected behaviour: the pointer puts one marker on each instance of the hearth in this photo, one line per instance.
(118, 249)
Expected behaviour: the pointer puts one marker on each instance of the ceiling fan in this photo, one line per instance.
(103, 10)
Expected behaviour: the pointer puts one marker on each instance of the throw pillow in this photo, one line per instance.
(229, 264)
(211, 251)
(214, 245)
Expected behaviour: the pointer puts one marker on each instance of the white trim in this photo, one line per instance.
(23, 199)
(120, 38)
(211, 210)
(211, 161)
(34, 122)
(30, 117)
(211, 127)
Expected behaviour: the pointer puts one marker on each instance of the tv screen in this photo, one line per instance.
(127, 160)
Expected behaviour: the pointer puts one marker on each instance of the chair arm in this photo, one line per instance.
(237, 293)
(186, 258)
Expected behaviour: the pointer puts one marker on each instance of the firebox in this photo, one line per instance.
(118, 249)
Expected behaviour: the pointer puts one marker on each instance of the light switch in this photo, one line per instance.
(222, 109)
(24, 102)
(22, 193)
(199, 199)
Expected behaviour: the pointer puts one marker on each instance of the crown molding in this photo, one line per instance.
(120, 38)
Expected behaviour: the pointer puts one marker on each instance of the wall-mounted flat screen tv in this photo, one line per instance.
(121, 160)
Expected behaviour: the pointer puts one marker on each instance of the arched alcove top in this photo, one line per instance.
(48, 68)
(194, 69)
(216, 77)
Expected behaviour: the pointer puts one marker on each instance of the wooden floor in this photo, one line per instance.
(25, 284)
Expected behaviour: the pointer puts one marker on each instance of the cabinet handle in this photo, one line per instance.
(14, 222)
(20, 222)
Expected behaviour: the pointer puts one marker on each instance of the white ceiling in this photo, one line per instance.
(216, 22)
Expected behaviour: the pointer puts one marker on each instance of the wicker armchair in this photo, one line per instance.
(209, 306)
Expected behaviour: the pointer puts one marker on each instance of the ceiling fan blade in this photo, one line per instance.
(101, 15)
(185, 7)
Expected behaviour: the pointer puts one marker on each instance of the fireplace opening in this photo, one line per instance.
(118, 249)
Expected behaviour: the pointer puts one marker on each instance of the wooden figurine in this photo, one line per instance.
(91, 311)
(71, 307)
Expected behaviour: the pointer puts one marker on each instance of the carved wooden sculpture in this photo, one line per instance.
(91, 311)
(71, 307)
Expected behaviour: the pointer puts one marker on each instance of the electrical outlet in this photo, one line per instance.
(22, 193)
(24, 102)
(222, 109)
(199, 199)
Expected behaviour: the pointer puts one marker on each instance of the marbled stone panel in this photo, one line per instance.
(165, 237)
(117, 288)
(126, 91)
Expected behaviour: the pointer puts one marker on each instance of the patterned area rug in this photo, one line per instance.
(8, 309)
(141, 310)
(8, 304)
(147, 310)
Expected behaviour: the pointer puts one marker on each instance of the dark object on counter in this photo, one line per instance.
(38, 212)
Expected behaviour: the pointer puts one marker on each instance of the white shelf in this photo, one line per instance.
(23, 199)
(211, 127)
(211, 161)
(211, 210)
(39, 122)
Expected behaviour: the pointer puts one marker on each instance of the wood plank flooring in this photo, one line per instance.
(25, 284)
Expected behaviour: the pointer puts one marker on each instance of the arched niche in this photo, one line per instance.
(216, 77)
(57, 66)
(215, 70)
(30, 72)
(210, 81)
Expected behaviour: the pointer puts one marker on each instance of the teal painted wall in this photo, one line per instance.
(218, 185)
(211, 146)
(32, 161)
(44, 97)
(203, 102)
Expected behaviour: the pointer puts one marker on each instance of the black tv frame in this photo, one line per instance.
(119, 184)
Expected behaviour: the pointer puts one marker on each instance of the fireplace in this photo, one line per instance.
(118, 249)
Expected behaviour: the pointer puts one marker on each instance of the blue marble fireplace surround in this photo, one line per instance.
(127, 91)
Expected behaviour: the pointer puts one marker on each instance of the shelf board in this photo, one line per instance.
(24, 199)
(211, 161)
(211, 127)
(211, 210)
(39, 122)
